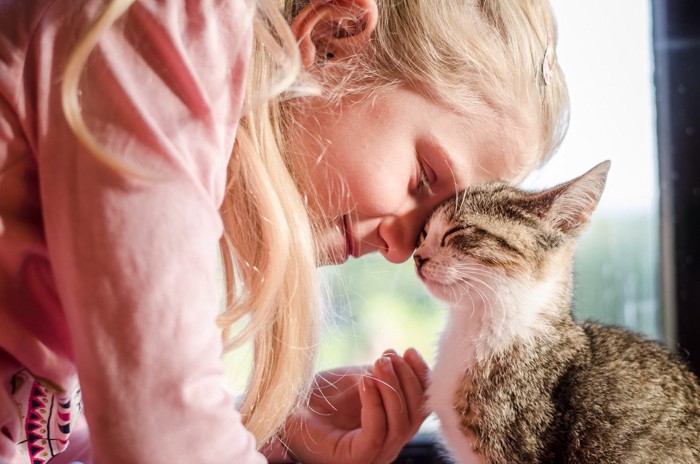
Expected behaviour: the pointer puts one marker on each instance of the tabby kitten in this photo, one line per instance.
(517, 380)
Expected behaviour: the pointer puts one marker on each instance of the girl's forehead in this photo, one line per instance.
(482, 145)
(476, 155)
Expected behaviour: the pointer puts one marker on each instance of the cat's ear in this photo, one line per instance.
(568, 206)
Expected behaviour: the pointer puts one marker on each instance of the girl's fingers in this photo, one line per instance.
(396, 408)
(393, 395)
(392, 404)
(419, 366)
(413, 389)
(373, 418)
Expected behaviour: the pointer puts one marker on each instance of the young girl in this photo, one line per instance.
(135, 135)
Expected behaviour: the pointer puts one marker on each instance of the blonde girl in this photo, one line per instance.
(136, 136)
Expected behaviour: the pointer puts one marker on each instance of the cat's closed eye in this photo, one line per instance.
(450, 233)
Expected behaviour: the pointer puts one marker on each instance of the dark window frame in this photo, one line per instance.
(676, 39)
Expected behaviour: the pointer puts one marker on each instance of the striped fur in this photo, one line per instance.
(517, 380)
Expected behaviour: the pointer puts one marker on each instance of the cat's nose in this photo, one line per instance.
(419, 260)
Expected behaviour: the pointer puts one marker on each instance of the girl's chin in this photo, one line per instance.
(331, 259)
(332, 247)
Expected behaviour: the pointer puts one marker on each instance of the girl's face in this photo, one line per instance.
(378, 167)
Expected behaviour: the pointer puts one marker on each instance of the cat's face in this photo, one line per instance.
(478, 241)
(495, 237)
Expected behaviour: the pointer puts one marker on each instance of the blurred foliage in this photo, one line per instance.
(617, 273)
(373, 305)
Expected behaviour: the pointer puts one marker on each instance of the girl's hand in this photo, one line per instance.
(361, 414)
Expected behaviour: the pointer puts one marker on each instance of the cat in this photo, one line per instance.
(517, 380)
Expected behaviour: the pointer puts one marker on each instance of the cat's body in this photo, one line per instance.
(517, 380)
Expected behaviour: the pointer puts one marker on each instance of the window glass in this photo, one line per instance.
(605, 50)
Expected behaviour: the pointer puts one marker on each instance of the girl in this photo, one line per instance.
(134, 135)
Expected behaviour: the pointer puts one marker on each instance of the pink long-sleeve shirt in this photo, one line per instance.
(108, 280)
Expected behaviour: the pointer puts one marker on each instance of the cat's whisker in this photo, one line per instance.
(470, 289)
(482, 284)
(468, 268)
(487, 302)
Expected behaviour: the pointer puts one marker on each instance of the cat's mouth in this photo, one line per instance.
(421, 276)
(426, 277)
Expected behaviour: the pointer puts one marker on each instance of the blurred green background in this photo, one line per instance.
(372, 305)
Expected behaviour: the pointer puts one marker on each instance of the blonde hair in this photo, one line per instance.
(474, 56)
(268, 251)
(471, 55)
(273, 255)
(482, 58)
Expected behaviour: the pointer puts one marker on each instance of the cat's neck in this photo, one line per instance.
(487, 322)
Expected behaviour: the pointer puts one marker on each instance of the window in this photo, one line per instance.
(377, 305)
(606, 51)
(609, 70)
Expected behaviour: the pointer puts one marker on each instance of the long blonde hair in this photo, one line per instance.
(267, 248)
(482, 58)
(273, 255)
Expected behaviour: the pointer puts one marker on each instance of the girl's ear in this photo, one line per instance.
(328, 30)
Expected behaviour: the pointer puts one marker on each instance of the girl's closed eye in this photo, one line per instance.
(427, 178)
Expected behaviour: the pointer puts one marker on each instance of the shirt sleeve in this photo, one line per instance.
(134, 251)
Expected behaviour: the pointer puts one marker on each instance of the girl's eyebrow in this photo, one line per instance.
(447, 161)
(433, 151)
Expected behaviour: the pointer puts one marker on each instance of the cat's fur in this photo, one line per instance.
(517, 380)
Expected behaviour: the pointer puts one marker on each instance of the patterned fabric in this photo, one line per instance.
(48, 417)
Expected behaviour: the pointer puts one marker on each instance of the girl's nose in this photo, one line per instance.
(400, 231)
(400, 235)
(397, 253)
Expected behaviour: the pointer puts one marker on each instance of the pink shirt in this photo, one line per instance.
(108, 282)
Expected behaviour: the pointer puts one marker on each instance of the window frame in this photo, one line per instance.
(676, 39)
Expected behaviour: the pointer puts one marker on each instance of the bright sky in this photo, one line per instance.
(605, 49)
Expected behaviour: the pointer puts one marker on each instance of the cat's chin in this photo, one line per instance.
(446, 293)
